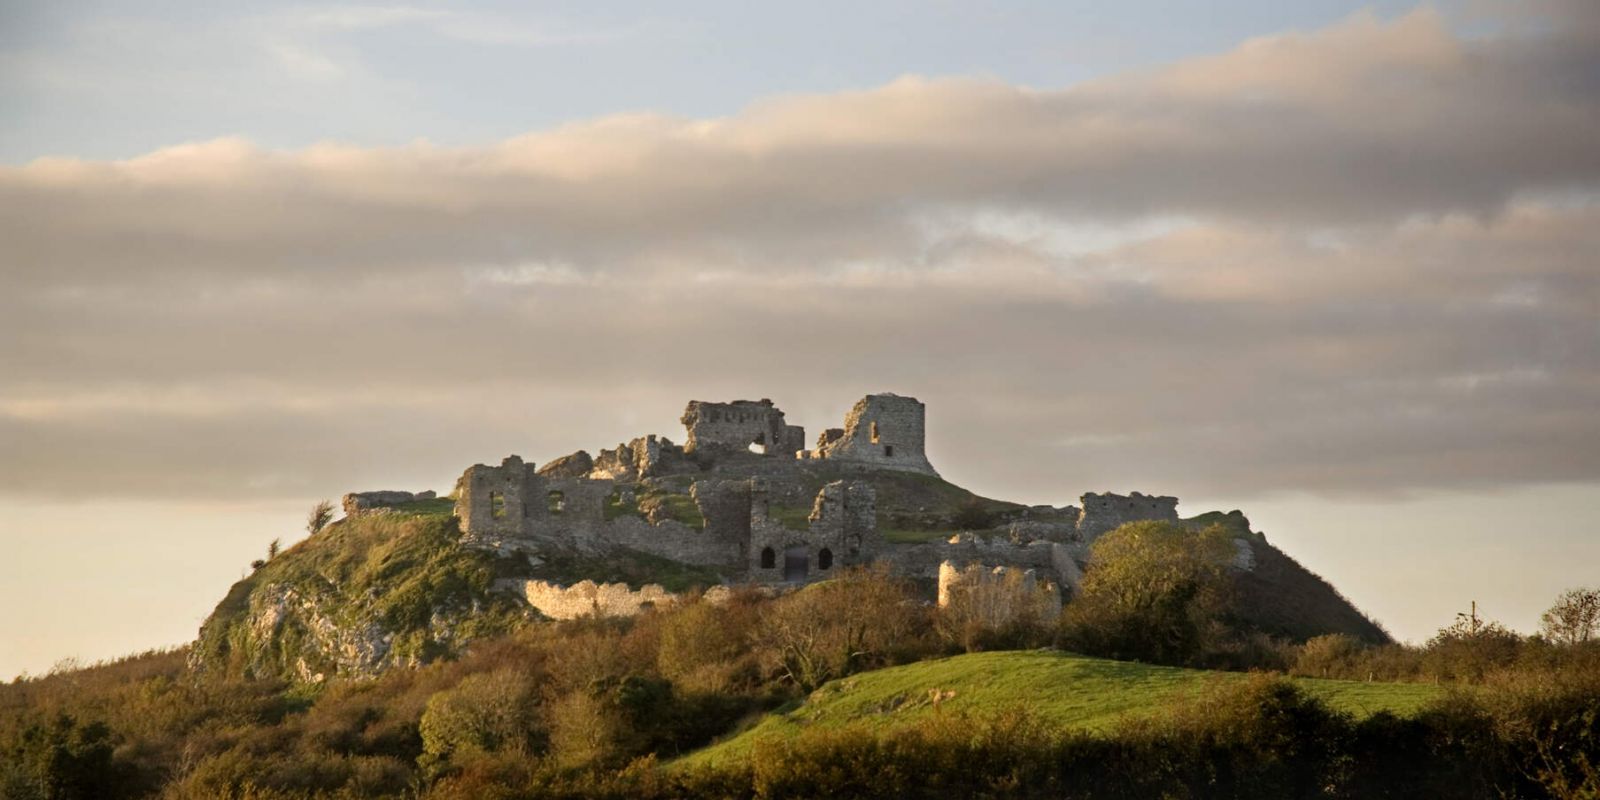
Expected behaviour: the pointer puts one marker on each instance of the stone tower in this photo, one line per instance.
(884, 430)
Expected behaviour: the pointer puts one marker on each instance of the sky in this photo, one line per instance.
(1331, 264)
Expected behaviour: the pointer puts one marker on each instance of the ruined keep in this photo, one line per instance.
(733, 498)
(885, 431)
(742, 425)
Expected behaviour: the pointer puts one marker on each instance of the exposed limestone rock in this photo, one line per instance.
(644, 457)
(1244, 555)
(576, 465)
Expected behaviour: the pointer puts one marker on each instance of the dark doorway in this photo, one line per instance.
(769, 559)
(796, 563)
(824, 558)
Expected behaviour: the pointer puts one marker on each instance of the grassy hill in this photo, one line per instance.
(364, 594)
(1071, 690)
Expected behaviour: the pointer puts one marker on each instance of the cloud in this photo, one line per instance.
(466, 26)
(1354, 260)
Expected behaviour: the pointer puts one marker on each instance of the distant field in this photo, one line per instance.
(1071, 690)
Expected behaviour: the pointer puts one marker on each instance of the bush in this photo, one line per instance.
(988, 613)
(859, 620)
(486, 713)
(1155, 591)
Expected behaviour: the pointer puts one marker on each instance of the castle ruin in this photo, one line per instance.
(885, 431)
(742, 425)
(745, 497)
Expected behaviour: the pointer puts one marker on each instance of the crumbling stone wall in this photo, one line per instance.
(841, 531)
(669, 539)
(1065, 560)
(997, 596)
(356, 503)
(513, 501)
(512, 506)
(734, 427)
(499, 502)
(884, 430)
(847, 513)
(1105, 512)
(644, 457)
(725, 505)
(587, 598)
(923, 560)
(570, 506)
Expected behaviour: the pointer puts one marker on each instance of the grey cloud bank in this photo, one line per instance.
(1359, 260)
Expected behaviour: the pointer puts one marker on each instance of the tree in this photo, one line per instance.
(983, 610)
(60, 757)
(321, 514)
(485, 713)
(1574, 618)
(859, 620)
(1154, 591)
(1470, 647)
(272, 548)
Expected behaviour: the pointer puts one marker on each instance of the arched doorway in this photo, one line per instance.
(796, 563)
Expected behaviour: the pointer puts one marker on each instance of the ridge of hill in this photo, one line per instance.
(1067, 689)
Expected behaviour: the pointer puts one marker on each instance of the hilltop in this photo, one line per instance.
(408, 577)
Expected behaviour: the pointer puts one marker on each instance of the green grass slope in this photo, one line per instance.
(364, 593)
(1070, 690)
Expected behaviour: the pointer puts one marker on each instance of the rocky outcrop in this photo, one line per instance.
(577, 465)
(369, 593)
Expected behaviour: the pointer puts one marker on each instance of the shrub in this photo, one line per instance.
(859, 620)
(983, 612)
(1153, 592)
(485, 713)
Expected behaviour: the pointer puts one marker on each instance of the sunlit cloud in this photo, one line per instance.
(1358, 259)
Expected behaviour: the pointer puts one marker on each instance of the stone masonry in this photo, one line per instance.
(752, 528)
(513, 507)
(998, 595)
(741, 426)
(885, 431)
(1106, 512)
(356, 503)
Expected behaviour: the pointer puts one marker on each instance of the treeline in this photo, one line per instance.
(597, 707)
